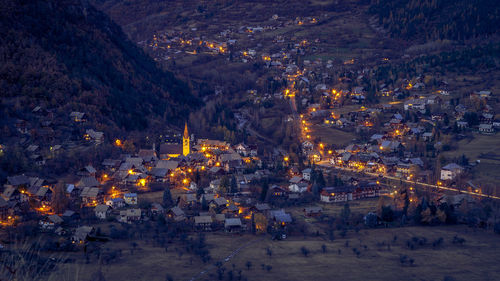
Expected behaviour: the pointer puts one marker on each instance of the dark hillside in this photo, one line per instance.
(438, 19)
(67, 56)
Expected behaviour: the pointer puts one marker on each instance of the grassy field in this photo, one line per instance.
(485, 148)
(332, 136)
(475, 260)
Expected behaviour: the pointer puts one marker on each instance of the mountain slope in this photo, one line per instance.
(438, 19)
(66, 56)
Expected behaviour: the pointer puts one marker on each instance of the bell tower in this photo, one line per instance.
(185, 141)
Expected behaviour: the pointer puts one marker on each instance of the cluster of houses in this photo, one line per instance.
(112, 190)
(353, 189)
(174, 43)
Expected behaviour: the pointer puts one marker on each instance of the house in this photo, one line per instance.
(313, 211)
(101, 211)
(130, 215)
(91, 196)
(77, 116)
(296, 179)
(170, 150)
(130, 198)
(176, 214)
(50, 222)
(135, 161)
(216, 171)
(462, 124)
(418, 104)
(451, 171)
(96, 137)
(111, 164)
(427, 136)
(87, 182)
(88, 171)
(116, 203)
(366, 190)
(219, 202)
(456, 200)
(159, 174)
(403, 169)
(203, 222)
(336, 194)
(208, 197)
(215, 184)
(82, 233)
(188, 199)
(232, 225)
(307, 147)
(306, 174)
(69, 216)
(277, 191)
(486, 128)
(148, 155)
(157, 208)
(170, 165)
(298, 187)
(280, 217)
(263, 208)
(12, 194)
(242, 149)
(390, 146)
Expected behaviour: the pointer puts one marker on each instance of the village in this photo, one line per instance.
(217, 185)
(316, 137)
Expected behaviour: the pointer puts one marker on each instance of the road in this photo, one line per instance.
(245, 123)
(326, 164)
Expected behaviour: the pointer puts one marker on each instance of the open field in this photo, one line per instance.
(475, 260)
(485, 148)
(332, 136)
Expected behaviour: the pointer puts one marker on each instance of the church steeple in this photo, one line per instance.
(186, 149)
(186, 134)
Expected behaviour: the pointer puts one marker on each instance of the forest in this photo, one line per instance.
(438, 19)
(69, 56)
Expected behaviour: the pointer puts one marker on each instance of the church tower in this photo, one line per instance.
(185, 141)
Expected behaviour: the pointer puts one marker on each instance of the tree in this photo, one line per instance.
(200, 191)
(320, 180)
(371, 220)
(168, 202)
(316, 190)
(59, 200)
(129, 146)
(224, 185)
(269, 252)
(204, 204)
(234, 185)
(304, 251)
(346, 213)
(387, 214)
(265, 188)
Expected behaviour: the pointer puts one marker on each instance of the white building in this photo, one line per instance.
(101, 211)
(130, 198)
(451, 171)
